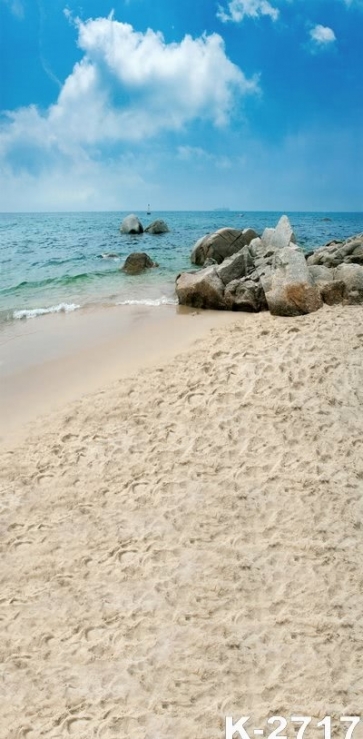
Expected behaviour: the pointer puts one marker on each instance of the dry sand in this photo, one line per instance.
(188, 544)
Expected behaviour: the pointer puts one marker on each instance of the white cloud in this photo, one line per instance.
(196, 154)
(322, 35)
(131, 86)
(176, 82)
(239, 9)
(128, 88)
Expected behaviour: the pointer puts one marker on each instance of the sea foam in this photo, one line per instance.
(34, 312)
(150, 301)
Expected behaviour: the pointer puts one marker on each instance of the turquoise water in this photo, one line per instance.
(51, 262)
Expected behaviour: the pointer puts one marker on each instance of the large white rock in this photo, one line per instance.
(131, 225)
(289, 287)
(280, 236)
(201, 289)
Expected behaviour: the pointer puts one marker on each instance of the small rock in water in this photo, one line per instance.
(137, 262)
(157, 227)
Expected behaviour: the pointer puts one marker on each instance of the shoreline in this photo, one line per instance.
(49, 361)
(53, 260)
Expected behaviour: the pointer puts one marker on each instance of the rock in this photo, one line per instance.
(278, 261)
(260, 254)
(288, 285)
(245, 294)
(109, 256)
(198, 255)
(308, 254)
(333, 292)
(353, 251)
(338, 252)
(131, 225)
(264, 249)
(201, 289)
(237, 266)
(157, 227)
(337, 270)
(320, 274)
(249, 234)
(352, 277)
(137, 262)
(280, 236)
(272, 272)
(342, 284)
(220, 244)
(209, 262)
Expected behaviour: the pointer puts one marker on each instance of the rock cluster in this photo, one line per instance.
(337, 269)
(243, 271)
(137, 262)
(132, 225)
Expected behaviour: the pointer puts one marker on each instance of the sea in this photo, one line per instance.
(54, 262)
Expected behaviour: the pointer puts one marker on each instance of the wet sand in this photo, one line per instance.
(51, 360)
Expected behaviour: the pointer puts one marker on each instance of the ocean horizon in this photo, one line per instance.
(52, 262)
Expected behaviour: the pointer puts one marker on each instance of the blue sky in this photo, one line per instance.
(246, 104)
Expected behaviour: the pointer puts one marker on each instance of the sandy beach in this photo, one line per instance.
(185, 542)
(53, 360)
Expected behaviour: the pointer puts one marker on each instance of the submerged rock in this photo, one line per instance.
(157, 227)
(137, 262)
(131, 225)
